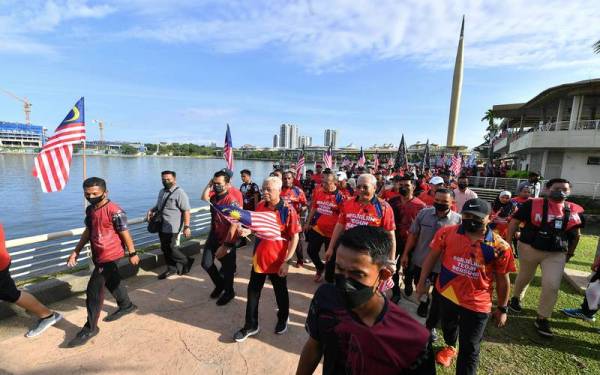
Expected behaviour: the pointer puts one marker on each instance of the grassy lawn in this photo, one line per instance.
(584, 255)
(518, 349)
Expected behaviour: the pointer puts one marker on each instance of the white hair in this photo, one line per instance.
(273, 181)
(369, 177)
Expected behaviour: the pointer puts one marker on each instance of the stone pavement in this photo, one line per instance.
(178, 329)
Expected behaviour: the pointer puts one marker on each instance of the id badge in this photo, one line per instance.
(558, 223)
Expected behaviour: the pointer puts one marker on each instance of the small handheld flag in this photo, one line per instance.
(300, 165)
(328, 158)
(53, 163)
(361, 158)
(263, 223)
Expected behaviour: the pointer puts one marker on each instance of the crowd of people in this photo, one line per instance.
(373, 237)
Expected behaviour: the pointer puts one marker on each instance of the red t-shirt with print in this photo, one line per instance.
(375, 213)
(327, 206)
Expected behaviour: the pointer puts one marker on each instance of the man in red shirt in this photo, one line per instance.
(221, 241)
(365, 209)
(472, 258)
(10, 293)
(317, 177)
(322, 218)
(108, 234)
(294, 196)
(342, 183)
(406, 207)
(428, 196)
(388, 194)
(270, 259)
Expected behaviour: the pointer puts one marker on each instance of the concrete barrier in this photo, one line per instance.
(65, 286)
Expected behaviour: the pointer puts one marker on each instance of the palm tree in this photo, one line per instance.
(597, 47)
(490, 117)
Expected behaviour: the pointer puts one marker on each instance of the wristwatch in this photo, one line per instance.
(503, 309)
(131, 255)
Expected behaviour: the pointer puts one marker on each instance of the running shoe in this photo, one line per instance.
(543, 327)
(120, 312)
(281, 326)
(244, 333)
(578, 314)
(43, 324)
(83, 336)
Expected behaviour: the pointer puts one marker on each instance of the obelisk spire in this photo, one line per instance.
(456, 88)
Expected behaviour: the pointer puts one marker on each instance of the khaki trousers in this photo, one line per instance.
(552, 265)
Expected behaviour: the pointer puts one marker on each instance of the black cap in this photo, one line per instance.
(477, 207)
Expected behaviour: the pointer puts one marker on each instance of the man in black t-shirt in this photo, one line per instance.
(250, 190)
(354, 327)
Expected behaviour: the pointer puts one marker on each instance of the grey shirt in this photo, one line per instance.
(177, 204)
(424, 227)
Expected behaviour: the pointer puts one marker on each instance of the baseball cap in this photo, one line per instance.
(341, 176)
(477, 207)
(505, 193)
(436, 180)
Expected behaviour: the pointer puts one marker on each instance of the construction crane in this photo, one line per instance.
(26, 104)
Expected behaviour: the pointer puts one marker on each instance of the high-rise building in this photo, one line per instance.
(330, 138)
(288, 136)
(304, 141)
(276, 141)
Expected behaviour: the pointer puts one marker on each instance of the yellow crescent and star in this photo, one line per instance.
(75, 116)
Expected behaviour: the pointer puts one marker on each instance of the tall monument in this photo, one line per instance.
(456, 88)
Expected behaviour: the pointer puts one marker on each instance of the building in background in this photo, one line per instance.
(276, 141)
(304, 141)
(288, 136)
(19, 135)
(330, 138)
(557, 134)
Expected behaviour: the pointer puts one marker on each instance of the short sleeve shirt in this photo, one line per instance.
(425, 225)
(219, 225)
(376, 213)
(269, 255)
(327, 208)
(249, 191)
(294, 196)
(531, 212)
(4, 256)
(177, 204)
(389, 194)
(391, 346)
(469, 268)
(405, 214)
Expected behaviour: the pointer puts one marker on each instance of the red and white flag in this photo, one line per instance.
(53, 163)
(456, 165)
(328, 158)
(228, 150)
(299, 166)
(362, 160)
(376, 162)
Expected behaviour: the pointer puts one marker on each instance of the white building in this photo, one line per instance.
(330, 138)
(288, 136)
(276, 141)
(557, 133)
(304, 141)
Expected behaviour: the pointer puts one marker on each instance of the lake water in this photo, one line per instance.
(133, 183)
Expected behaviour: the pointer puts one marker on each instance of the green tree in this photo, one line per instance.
(129, 150)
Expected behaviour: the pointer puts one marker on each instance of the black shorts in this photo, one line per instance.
(8, 289)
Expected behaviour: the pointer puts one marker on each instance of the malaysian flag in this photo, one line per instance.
(263, 223)
(361, 158)
(300, 165)
(401, 156)
(346, 161)
(53, 163)
(228, 149)
(456, 164)
(328, 158)
(376, 162)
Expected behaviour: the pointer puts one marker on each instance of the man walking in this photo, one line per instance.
(270, 259)
(221, 241)
(294, 197)
(173, 206)
(107, 232)
(9, 293)
(462, 193)
(250, 190)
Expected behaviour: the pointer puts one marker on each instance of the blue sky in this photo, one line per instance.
(179, 70)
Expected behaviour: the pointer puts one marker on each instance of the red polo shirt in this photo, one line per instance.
(389, 194)
(376, 213)
(469, 268)
(405, 214)
(269, 255)
(327, 206)
(294, 196)
(4, 257)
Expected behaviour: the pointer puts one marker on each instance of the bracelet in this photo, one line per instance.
(131, 255)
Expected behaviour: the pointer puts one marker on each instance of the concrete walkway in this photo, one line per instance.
(178, 329)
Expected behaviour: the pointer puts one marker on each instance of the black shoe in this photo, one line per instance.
(408, 289)
(423, 309)
(396, 298)
(83, 336)
(225, 298)
(244, 333)
(281, 326)
(119, 313)
(216, 292)
(514, 305)
(543, 327)
(188, 267)
(165, 274)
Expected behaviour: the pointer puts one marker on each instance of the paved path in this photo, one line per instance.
(178, 329)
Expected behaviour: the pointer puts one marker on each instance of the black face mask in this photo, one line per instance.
(95, 200)
(462, 186)
(472, 225)
(167, 185)
(404, 191)
(219, 189)
(558, 195)
(353, 292)
(441, 207)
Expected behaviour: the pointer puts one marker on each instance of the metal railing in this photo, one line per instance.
(579, 188)
(47, 254)
(566, 125)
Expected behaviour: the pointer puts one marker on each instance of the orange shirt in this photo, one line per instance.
(376, 213)
(269, 255)
(4, 257)
(327, 206)
(468, 268)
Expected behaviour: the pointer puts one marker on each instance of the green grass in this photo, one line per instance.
(584, 254)
(519, 349)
